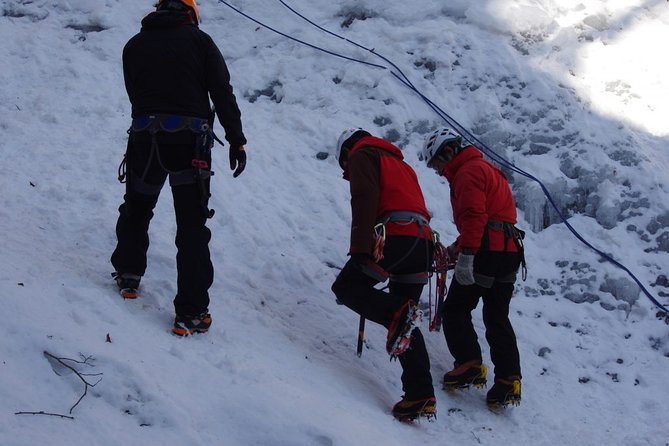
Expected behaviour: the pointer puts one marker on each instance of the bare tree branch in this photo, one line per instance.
(41, 412)
(85, 361)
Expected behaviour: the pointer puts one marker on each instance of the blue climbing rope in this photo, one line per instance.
(396, 72)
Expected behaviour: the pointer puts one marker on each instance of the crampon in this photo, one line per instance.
(408, 411)
(401, 327)
(503, 393)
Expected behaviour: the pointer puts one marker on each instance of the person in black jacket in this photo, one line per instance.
(171, 69)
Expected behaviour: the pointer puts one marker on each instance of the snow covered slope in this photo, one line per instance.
(573, 93)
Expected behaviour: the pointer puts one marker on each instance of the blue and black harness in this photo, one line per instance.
(200, 170)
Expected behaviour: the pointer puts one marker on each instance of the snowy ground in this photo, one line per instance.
(574, 93)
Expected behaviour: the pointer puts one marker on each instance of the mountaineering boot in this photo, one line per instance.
(401, 326)
(470, 373)
(127, 284)
(505, 391)
(185, 325)
(409, 410)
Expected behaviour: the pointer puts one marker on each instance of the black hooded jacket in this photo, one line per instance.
(173, 67)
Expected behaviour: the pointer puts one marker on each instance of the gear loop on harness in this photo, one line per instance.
(379, 241)
(516, 235)
(122, 173)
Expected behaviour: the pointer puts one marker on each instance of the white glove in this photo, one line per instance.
(464, 269)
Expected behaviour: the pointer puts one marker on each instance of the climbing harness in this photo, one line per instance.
(199, 172)
(511, 234)
(380, 274)
(405, 218)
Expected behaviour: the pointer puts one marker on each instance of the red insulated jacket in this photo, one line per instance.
(480, 194)
(381, 183)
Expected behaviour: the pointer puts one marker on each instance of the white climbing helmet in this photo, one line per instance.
(434, 142)
(345, 136)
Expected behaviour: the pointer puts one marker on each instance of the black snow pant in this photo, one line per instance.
(355, 289)
(147, 170)
(461, 300)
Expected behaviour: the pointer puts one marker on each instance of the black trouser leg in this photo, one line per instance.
(416, 377)
(499, 332)
(194, 267)
(132, 229)
(356, 290)
(142, 190)
(459, 331)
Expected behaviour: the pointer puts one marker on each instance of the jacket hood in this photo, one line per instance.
(466, 154)
(378, 143)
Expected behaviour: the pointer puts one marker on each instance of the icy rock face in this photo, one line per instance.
(353, 13)
(657, 229)
(603, 194)
(579, 298)
(621, 289)
(663, 242)
(582, 282)
(592, 178)
(657, 223)
(608, 210)
(534, 204)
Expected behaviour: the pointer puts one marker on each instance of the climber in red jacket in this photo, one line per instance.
(489, 253)
(390, 240)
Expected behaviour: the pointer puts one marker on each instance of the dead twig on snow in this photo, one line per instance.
(85, 361)
(41, 412)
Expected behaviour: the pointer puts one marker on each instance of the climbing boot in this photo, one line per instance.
(470, 373)
(185, 325)
(127, 284)
(505, 391)
(409, 410)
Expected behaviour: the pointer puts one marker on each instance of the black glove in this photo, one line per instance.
(237, 160)
(452, 252)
